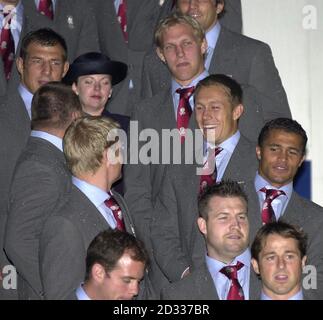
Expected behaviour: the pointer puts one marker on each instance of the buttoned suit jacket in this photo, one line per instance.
(199, 285)
(14, 132)
(40, 184)
(176, 240)
(141, 19)
(65, 239)
(248, 61)
(231, 18)
(32, 20)
(300, 212)
(74, 20)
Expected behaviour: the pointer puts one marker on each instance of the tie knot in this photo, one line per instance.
(215, 151)
(232, 271)
(185, 93)
(272, 194)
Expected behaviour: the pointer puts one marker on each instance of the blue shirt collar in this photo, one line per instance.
(297, 296)
(27, 97)
(215, 266)
(96, 195)
(212, 35)
(56, 141)
(228, 144)
(81, 294)
(260, 182)
(195, 81)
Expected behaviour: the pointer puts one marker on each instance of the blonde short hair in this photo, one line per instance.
(174, 19)
(85, 141)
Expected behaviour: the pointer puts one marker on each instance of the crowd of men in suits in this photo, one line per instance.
(181, 231)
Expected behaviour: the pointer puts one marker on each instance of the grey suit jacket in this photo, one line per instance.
(176, 240)
(143, 182)
(74, 20)
(141, 19)
(32, 20)
(199, 285)
(231, 17)
(40, 184)
(65, 239)
(248, 61)
(14, 132)
(300, 212)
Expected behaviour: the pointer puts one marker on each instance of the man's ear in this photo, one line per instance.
(258, 153)
(237, 111)
(98, 273)
(20, 65)
(303, 159)
(255, 265)
(304, 261)
(160, 54)
(66, 67)
(219, 6)
(202, 225)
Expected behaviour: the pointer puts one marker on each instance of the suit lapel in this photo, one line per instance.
(239, 159)
(204, 285)
(254, 286)
(3, 81)
(89, 214)
(223, 54)
(166, 111)
(293, 214)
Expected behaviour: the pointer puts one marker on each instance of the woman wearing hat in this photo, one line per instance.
(92, 76)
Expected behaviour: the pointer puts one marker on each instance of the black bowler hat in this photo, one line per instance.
(95, 63)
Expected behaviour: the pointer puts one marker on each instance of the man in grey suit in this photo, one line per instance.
(42, 59)
(141, 17)
(281, 151)
(230, 17)
(184, 57)
(226, 272)
(248, 61)
(90, 207)
(40, 182)
(23, 21)
(74, 20)
(218, 108)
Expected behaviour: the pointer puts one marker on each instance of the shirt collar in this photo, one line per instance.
(297, 296)
(96, 195)
(228, 145)
(26, 96)
(212, 35)
(81, 294)
(195, 81)
(56, 141)
(260, 182)
(215, 265)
